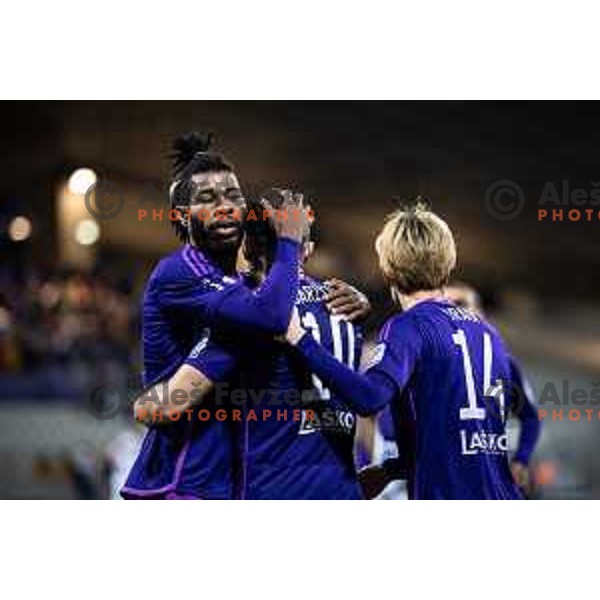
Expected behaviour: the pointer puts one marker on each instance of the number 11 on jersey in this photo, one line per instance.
(309, 321)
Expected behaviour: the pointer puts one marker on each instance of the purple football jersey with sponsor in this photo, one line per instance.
(309, 458)
(453, 375)
(296, 438)
(189, 457)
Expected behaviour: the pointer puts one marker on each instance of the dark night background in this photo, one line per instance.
(539, 279)
(352, 156)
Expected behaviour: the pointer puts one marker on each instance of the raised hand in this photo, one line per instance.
(291, 219)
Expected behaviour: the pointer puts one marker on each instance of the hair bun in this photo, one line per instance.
(185, 148)
(414, 204)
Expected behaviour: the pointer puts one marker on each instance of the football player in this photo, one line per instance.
(295, 436)
(445, 371)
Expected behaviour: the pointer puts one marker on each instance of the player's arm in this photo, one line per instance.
(266, 309)
(524, 409)
(207, 364)
(164, 401)
(366, 435)
(366, 393)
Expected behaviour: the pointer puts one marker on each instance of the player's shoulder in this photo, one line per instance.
(185, 263)
(399, 325)
(418, 323)
(500, 344)
(461, 318)
(312, 293)
(439, 311)
(491, 329)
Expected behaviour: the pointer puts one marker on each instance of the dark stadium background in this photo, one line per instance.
(69, 292)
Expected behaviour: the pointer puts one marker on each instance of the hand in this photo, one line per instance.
(292, 219)
(373, 481)
(295, 330)
(520, 473)
(344, 299)
(162, 416)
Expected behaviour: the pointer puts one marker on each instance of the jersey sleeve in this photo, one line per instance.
(525, 410)
(213, 359)
(397, 352)
(266, 309)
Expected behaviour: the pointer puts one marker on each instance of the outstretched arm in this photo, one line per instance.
(365, 393)
(369, 392)
(267, 308)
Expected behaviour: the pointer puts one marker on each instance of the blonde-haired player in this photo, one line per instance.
(442, 369)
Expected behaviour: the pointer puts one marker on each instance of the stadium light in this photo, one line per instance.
(81, 180)
(19, 229)
(87, 232)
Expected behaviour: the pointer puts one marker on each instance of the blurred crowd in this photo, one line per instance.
(62, 331)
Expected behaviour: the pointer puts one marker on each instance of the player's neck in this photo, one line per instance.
(409, 300)
(225, 260)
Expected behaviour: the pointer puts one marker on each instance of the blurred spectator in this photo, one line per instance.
(61, 333)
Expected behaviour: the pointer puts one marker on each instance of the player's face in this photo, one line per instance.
(217, 208)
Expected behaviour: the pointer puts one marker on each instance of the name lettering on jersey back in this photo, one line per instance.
(461, 314)
(312, 293)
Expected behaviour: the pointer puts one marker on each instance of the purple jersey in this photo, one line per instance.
(448, 366)
(186, 297)
(297, 437)
(447, 376)
(192, 456)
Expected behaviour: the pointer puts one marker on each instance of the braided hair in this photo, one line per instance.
(190, 155)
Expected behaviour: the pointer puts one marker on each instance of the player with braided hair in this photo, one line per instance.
(296, 442)
(192, 291)
(191, 295)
